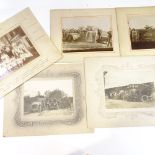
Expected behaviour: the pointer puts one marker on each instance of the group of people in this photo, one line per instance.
(132, 92)
(88, 34)
(12, 56)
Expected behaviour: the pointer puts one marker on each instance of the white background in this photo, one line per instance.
(115, 141)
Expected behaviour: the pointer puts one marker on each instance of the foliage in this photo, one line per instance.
(55, 99)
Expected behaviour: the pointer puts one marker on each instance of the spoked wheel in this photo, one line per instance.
(144, 98)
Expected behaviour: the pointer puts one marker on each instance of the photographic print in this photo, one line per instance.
(16, 50)
(87, 34)
(120, 91)
(52, 102)
(142, 32)
(129, 88)
(45, 97)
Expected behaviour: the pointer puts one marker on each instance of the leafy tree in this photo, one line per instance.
(57, 94)
(47, 93)
(147, 27)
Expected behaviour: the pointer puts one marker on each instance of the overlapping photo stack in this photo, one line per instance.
(97, 69)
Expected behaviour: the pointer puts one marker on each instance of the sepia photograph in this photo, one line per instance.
(16, 50)
(142, 32)
(47, 97)
(87, 34)
(131, 91)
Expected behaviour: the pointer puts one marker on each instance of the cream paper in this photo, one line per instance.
(136, 30)
(81, 33)
(53, 102)
(120, 91)
(25, 50)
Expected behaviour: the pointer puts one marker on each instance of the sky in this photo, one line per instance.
(102, 22)
(118, 77)
(32, 87)
(138, 22)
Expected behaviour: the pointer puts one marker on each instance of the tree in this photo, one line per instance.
(57, 94)
(47, 93)
(67, 102)
(147, 27)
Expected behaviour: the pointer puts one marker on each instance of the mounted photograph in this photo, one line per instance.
(142, 32)
(16, 50)
(23, 43)
(47, 97)
(87, 34)
(120, 91)
(52, 102)
(132, 91)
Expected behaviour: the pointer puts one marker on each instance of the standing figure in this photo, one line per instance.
(15, 50)
(109, 44)
(134, 35)
(5, 61)
(99, 32)
(24, 51)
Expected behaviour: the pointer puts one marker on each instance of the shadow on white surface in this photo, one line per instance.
(122, 141)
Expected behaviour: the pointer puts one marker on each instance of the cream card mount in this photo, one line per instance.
(25, 50)
(53, 102)
(83, 33)
(120, 91)
(136, 27)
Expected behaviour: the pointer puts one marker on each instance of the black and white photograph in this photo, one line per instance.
(87, 34)
(129, 88)
(142, 32)
(16, 50)
(48, 97)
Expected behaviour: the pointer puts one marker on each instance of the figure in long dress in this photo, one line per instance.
(5, 60)
(17, 54)
(24, 50)
(15, 50)
(91, 36)
(3, 69)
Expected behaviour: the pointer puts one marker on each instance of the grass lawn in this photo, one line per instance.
(112, 104)
(84, 46)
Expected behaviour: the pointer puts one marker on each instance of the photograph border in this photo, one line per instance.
(114, 113)
(41, 43)
(137, 50)
(78, 110)
(56, 31)
(96, 114)
(123, 15)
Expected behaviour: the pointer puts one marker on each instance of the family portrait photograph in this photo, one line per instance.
(16, 50)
